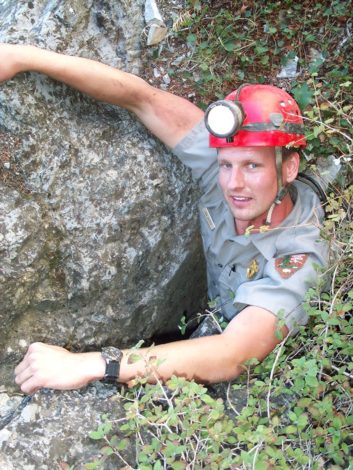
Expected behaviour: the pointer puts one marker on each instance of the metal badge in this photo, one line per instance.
(252, 269)
(208, 218)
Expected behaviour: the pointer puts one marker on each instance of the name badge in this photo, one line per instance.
(208, 218)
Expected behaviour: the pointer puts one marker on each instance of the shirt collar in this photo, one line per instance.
(266, 242)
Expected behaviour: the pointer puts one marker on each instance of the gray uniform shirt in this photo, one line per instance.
(272, 270)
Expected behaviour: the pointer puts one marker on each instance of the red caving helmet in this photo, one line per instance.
(255, 115)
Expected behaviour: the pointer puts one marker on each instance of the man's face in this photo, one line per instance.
(248, 178)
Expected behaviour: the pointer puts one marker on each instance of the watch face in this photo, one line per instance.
(112, 354)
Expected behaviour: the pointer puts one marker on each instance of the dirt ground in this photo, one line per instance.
(172, 54)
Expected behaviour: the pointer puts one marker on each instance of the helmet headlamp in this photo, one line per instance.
(224, 118)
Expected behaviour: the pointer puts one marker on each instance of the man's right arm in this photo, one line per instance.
(167, 116)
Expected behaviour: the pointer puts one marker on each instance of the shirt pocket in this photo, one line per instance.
(232, 277)
(229, 281)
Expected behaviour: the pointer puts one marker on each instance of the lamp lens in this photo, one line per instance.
(221, 120)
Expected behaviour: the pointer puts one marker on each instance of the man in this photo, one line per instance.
(260, 229)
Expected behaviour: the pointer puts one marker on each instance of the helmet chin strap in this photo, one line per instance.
(281, 190)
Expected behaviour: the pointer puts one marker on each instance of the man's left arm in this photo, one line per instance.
(251, 334)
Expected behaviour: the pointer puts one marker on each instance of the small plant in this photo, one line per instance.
(172, 425)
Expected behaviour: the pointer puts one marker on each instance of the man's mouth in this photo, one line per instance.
(240, 198)
(239, 202)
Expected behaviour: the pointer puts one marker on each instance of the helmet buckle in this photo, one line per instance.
(276, 119)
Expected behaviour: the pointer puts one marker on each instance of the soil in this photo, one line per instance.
(172, 58)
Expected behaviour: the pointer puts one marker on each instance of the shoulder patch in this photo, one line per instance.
(290, 264)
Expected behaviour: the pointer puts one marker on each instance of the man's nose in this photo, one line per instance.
(236, 179)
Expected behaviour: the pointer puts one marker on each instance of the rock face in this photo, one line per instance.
(51, 430)
(98, 232)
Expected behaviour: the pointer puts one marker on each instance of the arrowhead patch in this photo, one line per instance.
(290, 264)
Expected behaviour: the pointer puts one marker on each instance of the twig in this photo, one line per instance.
(195, 451)
(344, 40)
(317, 102)
(229, 401)
(344, 373)
(251, 43)
(326, 125)
(272, 374)
(333, 104)
(330, 314)
(258, 447)
(117, 453)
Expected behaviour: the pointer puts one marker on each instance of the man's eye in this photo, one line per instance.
(225, 165)
(252, 165)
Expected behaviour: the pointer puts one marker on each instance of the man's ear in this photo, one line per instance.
(291, 167)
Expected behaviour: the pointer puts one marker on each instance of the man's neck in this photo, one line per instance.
(280, 212)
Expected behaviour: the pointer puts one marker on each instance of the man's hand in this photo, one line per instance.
(47, 366)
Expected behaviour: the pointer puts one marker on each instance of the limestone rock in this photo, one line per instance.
(98, 229)
(290, 69)
(155, 25)
(51, 430)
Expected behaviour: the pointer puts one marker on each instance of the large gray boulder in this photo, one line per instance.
(50, 431)
(98, 229)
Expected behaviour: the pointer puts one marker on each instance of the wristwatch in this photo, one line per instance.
(112, 357)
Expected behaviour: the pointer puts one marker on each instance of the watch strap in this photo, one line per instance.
(112, 357)
(112, 370)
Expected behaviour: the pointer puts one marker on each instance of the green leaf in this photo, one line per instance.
(290, 429)
(229, 46)
(139, 344)
(265, 59)
(346, 84)
(191, 39)
(123, 444)
(303, 95)
(133, 358)
(311, 381)
(93, 465)
(207, 399)
(302, 421)
(182, 325)
(96, 435)
(318, 130)
(107, 451)
(178, 465)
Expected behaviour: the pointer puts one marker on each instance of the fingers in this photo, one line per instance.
(30, 386)
(31, 356)
(25, 374)
(54, 367)
(36, 368)
(27, 371)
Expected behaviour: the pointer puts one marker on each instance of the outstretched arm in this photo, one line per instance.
(251, 334)
(167, 116)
